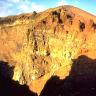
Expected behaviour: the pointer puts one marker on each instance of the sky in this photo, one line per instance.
(15, 7)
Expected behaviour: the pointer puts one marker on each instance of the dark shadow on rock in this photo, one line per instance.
(8, 87)
(80, 82)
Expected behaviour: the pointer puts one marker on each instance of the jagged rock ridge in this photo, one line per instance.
(44, 44)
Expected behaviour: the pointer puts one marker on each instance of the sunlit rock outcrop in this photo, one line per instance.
(44, 44)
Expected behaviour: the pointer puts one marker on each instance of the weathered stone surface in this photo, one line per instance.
(44, 44)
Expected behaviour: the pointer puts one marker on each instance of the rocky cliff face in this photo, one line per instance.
(40, 45)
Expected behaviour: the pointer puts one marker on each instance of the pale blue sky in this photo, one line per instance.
(13, 7)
